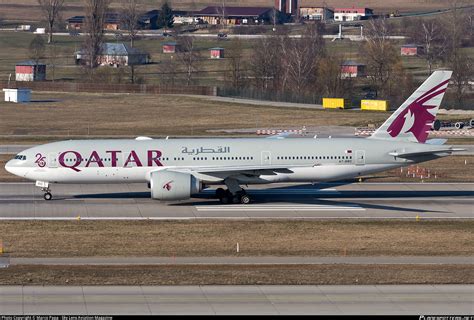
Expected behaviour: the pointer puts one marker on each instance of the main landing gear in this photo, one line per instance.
(45, 188)
(234, 194)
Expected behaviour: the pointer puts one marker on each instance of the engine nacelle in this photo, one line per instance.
(168, 185)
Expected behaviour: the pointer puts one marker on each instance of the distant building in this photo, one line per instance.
(117, 54)
(234, 15)
(352, 14)
(316, 13)
(352, 69)
(217, 53)
(30, 71)
(111, 22)
(170, 47)
(149, 20)
(287, 6)
(411, 50)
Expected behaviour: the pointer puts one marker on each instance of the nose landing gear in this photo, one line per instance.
(45, 188)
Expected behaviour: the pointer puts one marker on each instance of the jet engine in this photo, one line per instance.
(169, 185)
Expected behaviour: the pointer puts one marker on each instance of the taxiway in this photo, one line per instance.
(210, 300)
(23, 201)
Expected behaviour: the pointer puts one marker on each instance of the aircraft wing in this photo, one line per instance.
(411, 154)
(222, 172)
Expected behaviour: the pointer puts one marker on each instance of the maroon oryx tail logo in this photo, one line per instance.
(167, 186)
(40, 160)
(417, 110)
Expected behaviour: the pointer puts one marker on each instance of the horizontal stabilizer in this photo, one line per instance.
(424, 152)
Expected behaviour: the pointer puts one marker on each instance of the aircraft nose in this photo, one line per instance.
(9, 166)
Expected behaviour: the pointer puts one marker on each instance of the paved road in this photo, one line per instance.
(419, 260)
(210, 300)
(23, 201)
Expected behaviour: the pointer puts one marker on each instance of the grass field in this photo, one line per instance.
(219, 238)
(237, 275)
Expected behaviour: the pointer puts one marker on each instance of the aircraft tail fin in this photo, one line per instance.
(413, 119)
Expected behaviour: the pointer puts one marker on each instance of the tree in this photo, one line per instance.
(129, 18)
(459, 62)
(381, 56)
(431, 34)
(95, 11)
(235, 62)
(329, 80)
(51, 10)
(166, 19)
(188, 56)
(37, 48)
(301, 57)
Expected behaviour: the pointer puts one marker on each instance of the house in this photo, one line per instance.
(234, 15)
(352, 14)
(352, 69)
(287, 6)
(170, 47)
(111, 22)
(149, 20)
(316, 13)
(30, 71)
(411, 50)
(117, 54)
(217, 53)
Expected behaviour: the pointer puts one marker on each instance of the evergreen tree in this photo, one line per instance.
(166, 19)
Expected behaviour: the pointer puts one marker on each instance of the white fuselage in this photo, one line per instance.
(125, 161)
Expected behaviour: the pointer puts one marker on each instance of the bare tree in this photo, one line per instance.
(301, 57)
(188, 55)
(129, 18)
(329, 80)
(51, 10)
(37, 48)
(380, 55)
(265, 64)
(459, 62)
(95, 11)
(431, 35)
(235, 60)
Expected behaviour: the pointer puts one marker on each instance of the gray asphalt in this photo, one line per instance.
(419, 260)
(23, 201)
(211, 300)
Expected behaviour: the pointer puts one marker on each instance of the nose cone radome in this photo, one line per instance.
(8, 166)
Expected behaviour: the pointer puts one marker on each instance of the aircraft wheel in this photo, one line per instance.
(245, 199)
(225, 200)
(220, 193)
(48, 196)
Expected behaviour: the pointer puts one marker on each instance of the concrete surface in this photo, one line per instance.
(23, 201)
(210, 300)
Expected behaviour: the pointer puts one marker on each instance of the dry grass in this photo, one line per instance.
(237, 275)
(140, 114)
(219, 238)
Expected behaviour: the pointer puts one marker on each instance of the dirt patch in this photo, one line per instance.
(237, 275)
(219, 238)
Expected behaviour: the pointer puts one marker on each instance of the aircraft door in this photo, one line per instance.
(266, 157)
(53, 160)
(360, 157)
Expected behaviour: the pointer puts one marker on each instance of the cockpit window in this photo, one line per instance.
(20, 157)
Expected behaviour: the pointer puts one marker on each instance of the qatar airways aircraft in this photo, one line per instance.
(176, 169)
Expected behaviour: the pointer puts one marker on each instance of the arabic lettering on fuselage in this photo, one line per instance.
(196, 151)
